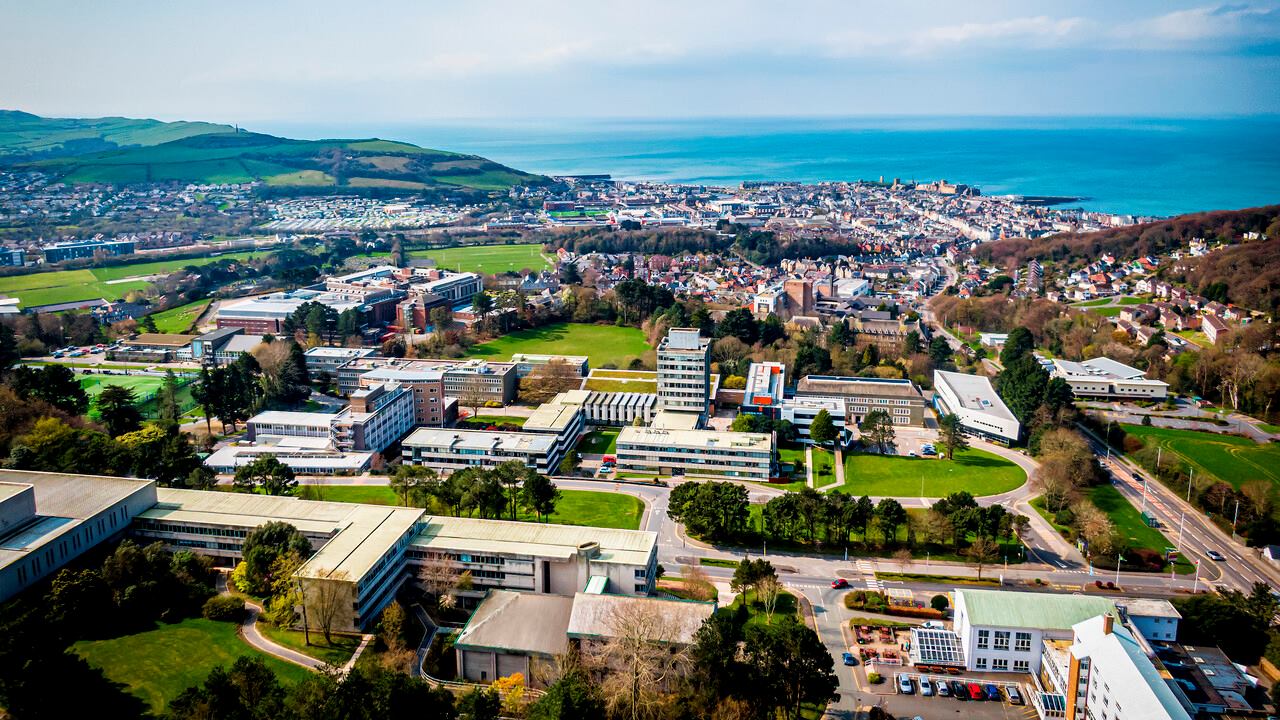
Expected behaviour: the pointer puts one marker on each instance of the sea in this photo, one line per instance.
(1127, 165)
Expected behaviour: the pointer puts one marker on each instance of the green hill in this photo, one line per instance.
(146, 151)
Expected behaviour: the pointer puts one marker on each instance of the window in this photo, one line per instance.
(980, 663)
(984, 639)
(1021, 666)
(1002, 640)
(999, 664)
(1022, 642)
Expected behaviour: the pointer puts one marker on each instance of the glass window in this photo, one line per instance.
(1022, 642)
(984, 639)
(981, 664)
(1002, 640)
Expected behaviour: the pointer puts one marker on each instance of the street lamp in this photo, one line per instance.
(1107, 439)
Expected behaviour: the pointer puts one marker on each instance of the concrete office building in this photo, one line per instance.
(432, 408)
(618, 408)
(267, 313)
(764, 391)
(456, 287)
(800, 412)
(49, 519)
(447, 450)
(377, 417)
(975, 402)
(561, 418)
(329, 359)
(526, 362)
(704, 453)
(900, 398)
(1106, 379)
(305, 456)
(1003, 631)
(463, 379)
(684, 372)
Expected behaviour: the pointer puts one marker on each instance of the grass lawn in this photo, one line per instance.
(979, 472)
(488, 259)
(1108, 311)
(1268, 427)
(498, 419)
(1232, 459)
(337, 654)
(718, 562)
(604, 344)
(1128, 522)
(180, 319)
(87, 284)
(619, 385)
(576, 507)
(945, 579)
(599, 442)
(1038, 503)
(824, 467)
(1131, 300)
(1092, 303)
(787, 605)
(1195, 337)
(159, 664)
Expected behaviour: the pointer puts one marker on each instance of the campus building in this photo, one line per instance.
(800, 412)
(448, 450)
(1002, 631)
(684, 372)
(305, 456)
(972, 399)
(618, 408)
(432, 408)
(376, 417)
(526, 362)
(764, 390)
(329, 359)
(705, 453)
(268, 313)
(561, 418)
(79, 249)
(900, 398)
(464, 379)
(1107, 379)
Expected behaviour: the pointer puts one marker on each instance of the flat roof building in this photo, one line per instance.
(1002, 631)
(898, 397)
(526, 362)
(463, 379)
(764, 390)
(1108, 379)
(976, 403)
(448, 450)
(684, 372)
(329, 359)
(704, 453)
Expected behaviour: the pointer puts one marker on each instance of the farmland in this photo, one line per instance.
(108, 283)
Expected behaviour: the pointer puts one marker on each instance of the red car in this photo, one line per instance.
(839, 583)
(975, 692)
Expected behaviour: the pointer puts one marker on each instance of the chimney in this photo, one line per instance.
(1107, 623)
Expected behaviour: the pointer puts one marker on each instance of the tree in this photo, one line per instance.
(480, 703)
(939, 351)
(482, 305)
(570, 697)
(268, 474)
(981, 553)
(714, 510)
(546, 381)
(877, 427)
(167, 398)
(208, 395)
(939, 603)
(409, 481)
(822, 431)
(951, 435)
(117, 408)
(54, 384)
(768, 590)
(248, 690)
(569, 465)
(9, 354)
(749, 574)
(1022, 386)
(890, 515)
(788, 666)
(161, 451)
(1018, 345)
(325, 598)
(643, 655)
(263, 547)
(539, 495)
(741, 324)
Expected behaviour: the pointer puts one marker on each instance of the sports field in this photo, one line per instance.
(1232, 459)
(180, 319)
(159, 664)
(978, 471)
(603, 344)
(622, 381)
(142, 385)
(108, 283)
(488, 259)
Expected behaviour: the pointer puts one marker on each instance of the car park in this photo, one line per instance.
(839, 583)
(1215, 555)
(1015, 697)
(975, 692)
(926, 686)
(958, 690)
(992, 692)
(849, 659)
(905, 686)
(944, 690)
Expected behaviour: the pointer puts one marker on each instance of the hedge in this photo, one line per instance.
(223, 607)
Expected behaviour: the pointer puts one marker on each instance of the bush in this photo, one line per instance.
(915, 612)
(874, 678)
(939, 603)
(1132, 444)
(227, 608)
(1146, 420)
(1064, 517)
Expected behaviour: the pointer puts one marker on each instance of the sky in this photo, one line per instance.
(426, 60)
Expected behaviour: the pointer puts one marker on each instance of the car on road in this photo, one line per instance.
(905, 686)
(975, 691)
(839, 583)
(992, 692)
(1215, 555)
(849, 659)
(926, 686)
(958, 690)
(944, 690)
(1015, 697)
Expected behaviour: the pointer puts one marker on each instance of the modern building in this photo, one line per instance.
(374, 419)
(1107, 379)
(448, 450)
(561, 418)
(801, 410)
(79, 249)
(49, 519)
(432, 408)
(704, 453)
(526, 362)
(268, 313)
(456, 287)
(209, 348)
(764, 391)
(972, 399)
(618, 408)
(1004, 631)
(153, 347)
(464, 379)
(305, 456)
(900, 398)
(684, 372)
(1152, 619)
(329, 359)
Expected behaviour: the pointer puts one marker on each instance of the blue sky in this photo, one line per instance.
(370, 62)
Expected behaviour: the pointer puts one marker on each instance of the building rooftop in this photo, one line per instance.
(844, 385)
(1002, 608)
(1149, 607)
(520, 538)
(163, 340)
(553, 416)
(292, 417)
(765, 383)
(975, 393)
(675, 420)
(480, 440)
(522, 622)
(1100, 369)
(696, 438)
(1134, 681)
(598, 616)
(689, 339)
(337, 352)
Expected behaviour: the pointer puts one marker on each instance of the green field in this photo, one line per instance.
(617, 385)
(180, 319)
(1232, 459)
(824, 467)
(978, 471)
(576, 507)
(604, 344)
(488, 259)
(1109, 311)
(599, 442)
(62, 286)
(159, 664)
(1092, 303)
(498, 419)
(336, 654)
(1128, 523)
(142, 385)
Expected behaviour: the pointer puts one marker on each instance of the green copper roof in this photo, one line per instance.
(1048, 611)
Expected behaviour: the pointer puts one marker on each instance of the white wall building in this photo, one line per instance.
(975, 402)
(684, 371)
(1108, 379)
(705, 453)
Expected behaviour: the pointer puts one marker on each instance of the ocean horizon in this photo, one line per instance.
(1141, 166)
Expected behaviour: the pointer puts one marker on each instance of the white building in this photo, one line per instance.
(448, 450)
(1108, 379)
(684, 371)
(800, 412)
(1002, 631)
(704, 453)
(975, 402)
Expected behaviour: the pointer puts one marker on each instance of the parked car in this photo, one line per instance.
(905, 686)
(992, 692)
(975, 692)
(958, 690)
(839, 583)
(1015, 697)
(1215, 555)
(926, 687)
(944, 690)
(849, 659)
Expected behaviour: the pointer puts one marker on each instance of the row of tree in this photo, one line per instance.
(495, 493)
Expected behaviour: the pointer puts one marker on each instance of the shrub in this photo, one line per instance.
(915, 612)
(1132, 444)
(874, 678)
(939, 603)
(227, 608)
(1111, 585)
(1146, 420)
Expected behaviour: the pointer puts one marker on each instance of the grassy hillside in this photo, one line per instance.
(27, 136)
(120, 151)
